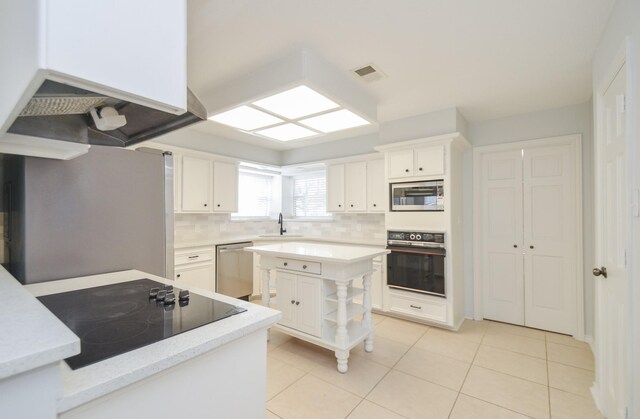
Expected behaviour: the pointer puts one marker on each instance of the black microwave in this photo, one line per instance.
(426, 195)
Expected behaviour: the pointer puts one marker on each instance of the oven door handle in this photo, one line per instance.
(416, 251)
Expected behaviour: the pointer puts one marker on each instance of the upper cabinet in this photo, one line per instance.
(376, 186)
(196, 188)
(203, 183)
(335, 188)
(225, 187)
(357, 186)
(416, 162)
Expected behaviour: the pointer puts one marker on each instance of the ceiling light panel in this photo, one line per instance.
(286, 132)
(335, 121)
(296, 103)
(245, 118)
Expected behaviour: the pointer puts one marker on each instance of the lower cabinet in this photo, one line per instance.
(300, 300)
(195, 268)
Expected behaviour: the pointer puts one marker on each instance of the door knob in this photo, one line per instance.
(600, 271)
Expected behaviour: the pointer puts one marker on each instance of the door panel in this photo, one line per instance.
(355, 180)
(549, 238)
(285, 291)
(335, 188)
(611, 292)
(501, 231)
(308, 312)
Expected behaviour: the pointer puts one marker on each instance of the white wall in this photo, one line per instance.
(624, 24)
(574, 119)
(196, 140)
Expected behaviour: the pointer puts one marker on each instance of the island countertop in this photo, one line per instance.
(319, 252)
(96, 380)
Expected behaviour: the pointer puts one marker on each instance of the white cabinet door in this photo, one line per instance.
(225, 187)
(429, 161)
(355, 176)
(286, 298)
(376, 186)
(502, 262)
(198, 275)
(335, 188)
(308, 305)
(196, 184)
(400, 164)
(549, 239)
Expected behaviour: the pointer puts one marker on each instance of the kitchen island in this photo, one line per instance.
(315, 292)
(218, 369)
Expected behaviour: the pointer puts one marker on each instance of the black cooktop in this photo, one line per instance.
(117, 318)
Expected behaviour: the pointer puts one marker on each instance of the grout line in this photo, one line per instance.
(467, 374)
(546, 352)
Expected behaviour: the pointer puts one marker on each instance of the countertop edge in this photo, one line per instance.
(38, 337)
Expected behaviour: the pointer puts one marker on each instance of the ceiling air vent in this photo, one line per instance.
(369, 73)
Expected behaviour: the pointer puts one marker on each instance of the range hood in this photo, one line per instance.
(59, 111)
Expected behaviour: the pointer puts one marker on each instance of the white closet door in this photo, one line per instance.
(549, 238)
(502, 262)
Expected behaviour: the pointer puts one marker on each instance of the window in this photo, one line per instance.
(258, 191)
(310, 195)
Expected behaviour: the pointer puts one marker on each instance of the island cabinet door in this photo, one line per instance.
(286, 298)
(309, 310)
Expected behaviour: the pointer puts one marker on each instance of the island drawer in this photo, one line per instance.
(300, 266)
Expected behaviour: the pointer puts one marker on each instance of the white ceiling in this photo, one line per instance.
(488, 58)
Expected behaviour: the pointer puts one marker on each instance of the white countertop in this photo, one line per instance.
(319, 252)
(101, 378)
(32, 336)
(278, 238)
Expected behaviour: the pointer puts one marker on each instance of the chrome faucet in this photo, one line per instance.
(281, 223)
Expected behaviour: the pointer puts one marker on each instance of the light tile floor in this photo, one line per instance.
(486, 370)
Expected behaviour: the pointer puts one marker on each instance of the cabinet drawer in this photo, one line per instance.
(300, 266)
(418, 306)
(200, 255)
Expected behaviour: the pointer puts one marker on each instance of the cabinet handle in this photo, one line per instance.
(178, 275)
(297, 303)
(418, 307)
(194, 257)
(406, 170)
(205, 205)
(420, 169)
(293, 301)
(218, 205)
(530, 247)
(375, 205)
(515, 246)
(304, 266)
(339, 205)
(351, 205)
(286, 263)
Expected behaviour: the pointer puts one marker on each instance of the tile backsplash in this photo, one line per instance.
(203, 227)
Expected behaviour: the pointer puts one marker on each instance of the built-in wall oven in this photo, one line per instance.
(416, 262)
(426, 195)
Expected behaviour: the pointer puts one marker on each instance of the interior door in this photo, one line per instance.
(611, 291)
(549, 238)
(502, 262)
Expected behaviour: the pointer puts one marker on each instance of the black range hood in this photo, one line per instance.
(62, 112)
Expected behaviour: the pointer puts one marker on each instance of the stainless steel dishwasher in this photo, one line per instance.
(234, 270)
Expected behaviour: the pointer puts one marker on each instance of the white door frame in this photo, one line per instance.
(633, 384)
(575, 140)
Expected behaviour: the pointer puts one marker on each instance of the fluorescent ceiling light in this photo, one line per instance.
(286, 132)
(246, 118)
(335, 121)
(297, 102)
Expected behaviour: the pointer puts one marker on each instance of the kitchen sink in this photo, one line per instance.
(279, 235)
